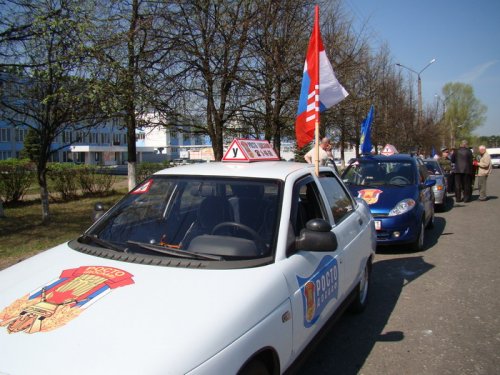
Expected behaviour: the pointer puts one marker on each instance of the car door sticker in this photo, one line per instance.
(370, 196)
(319, 289)
(62, 300)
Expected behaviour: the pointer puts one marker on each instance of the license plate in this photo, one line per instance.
(378, 225)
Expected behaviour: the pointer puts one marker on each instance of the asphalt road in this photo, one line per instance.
(431, 312)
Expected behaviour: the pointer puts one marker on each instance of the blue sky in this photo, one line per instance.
(462, 35)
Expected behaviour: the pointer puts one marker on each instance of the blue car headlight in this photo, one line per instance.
(402, 207)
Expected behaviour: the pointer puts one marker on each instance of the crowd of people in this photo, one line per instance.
(460, 166)
(463, 168)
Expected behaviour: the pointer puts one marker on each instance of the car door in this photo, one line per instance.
(313, 277)
(351, 228)
(426, 193)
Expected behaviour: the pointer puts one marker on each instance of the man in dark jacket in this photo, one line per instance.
(463, 171)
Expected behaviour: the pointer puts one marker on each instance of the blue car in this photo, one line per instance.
(399, 193)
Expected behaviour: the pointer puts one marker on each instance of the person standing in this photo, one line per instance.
(325, 152)
(463, 171)
(484, 168)
(445, 163)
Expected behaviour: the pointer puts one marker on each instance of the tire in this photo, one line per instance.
(418, 245)
(362, 292)
(254, 367)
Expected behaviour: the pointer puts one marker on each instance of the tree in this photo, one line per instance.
(49, 92)
(464, 112)
(210, 47)
(277, 45)
(124, 42)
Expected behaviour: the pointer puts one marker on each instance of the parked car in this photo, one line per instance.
(399, 193)
(215, 268)
(495, 156)
(436, 173)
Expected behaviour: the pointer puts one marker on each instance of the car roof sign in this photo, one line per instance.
(389, 150)
(248, 150)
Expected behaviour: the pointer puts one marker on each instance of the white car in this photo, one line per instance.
(218, 268)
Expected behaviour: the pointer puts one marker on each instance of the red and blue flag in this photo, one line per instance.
(320, 88)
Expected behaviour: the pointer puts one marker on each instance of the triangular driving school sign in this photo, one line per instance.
(247, 150)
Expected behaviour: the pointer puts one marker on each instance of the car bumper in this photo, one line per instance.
(439, 196)
(397, 229)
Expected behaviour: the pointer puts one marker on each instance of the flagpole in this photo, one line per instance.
(316, 104)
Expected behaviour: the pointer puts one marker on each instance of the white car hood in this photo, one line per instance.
(161, 320)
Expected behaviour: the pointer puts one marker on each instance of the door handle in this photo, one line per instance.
(360, 221)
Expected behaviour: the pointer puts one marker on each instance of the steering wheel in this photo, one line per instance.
(397, 179)
(256, 237)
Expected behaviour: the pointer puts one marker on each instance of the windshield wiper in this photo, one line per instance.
(399, 185)
(175, 252)
(102, 243)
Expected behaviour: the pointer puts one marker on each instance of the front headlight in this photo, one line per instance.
(402, 207)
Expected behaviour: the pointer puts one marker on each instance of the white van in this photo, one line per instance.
(495, 156)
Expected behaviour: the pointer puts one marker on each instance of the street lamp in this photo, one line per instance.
(442, 119)
(419, 114)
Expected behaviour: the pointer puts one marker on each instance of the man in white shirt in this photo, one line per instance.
(325, 152)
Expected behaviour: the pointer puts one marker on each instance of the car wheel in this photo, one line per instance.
(362, 289)
(254, 367)
(418, 245)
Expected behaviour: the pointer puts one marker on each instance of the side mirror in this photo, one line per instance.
(98, 211)
(428, 183)
(316, 236)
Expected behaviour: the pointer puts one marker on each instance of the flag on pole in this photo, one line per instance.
(433, 152)
(320, 88)
(366, 133)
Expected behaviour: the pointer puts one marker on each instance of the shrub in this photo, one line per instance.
(93, 180)
(146, 169)
(64, 178)
(16, 177)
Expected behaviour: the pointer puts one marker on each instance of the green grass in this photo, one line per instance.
(22, 233)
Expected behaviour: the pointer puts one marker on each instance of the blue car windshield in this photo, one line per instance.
(378, 173)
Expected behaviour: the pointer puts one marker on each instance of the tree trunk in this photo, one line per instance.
(131, 166)
(130, 104)
(2, 214)
(44, 191)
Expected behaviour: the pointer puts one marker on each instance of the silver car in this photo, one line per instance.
(436, 173)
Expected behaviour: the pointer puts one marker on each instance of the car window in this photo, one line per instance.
(422, 171)
(432, 167)
(339, 200)
(369, 172)
(306, 204)
(181, 212)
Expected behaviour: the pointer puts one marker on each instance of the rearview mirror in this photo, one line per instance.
(98, 211)
(428, 183)
(316, 236)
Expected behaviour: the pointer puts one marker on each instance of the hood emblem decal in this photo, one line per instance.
(59, 301)
(370, 196)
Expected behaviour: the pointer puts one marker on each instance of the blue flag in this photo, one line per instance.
(366, 129)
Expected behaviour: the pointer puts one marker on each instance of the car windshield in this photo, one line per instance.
(193, 217)
(432, 167)
(376, 173)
